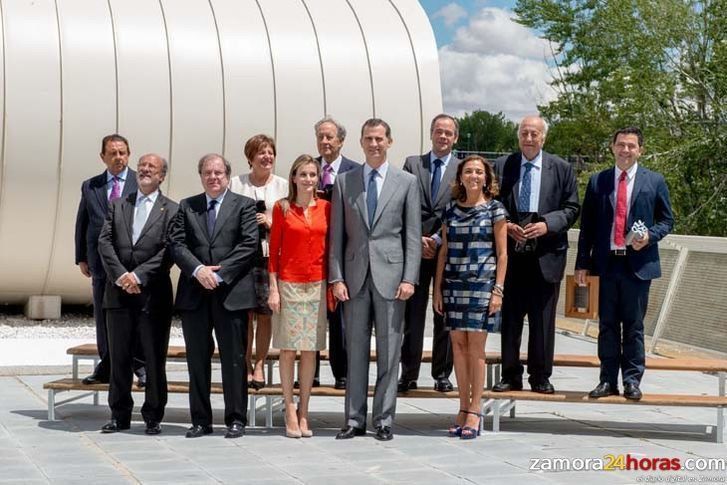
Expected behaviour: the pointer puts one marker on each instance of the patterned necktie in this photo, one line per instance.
(371, 196)
(139, 219)
(620, 222)
(327, 177)
(436, 178)
(523, 203)
(115, 189)
(211, 217)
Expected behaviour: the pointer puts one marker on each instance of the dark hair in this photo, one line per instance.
(490, 188)
(373, 123)
(445, 116)
(257, 143)
(212, 156)
(629, 130)
(301, 161)
(114, 137)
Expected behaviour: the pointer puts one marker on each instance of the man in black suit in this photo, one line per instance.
(214, 239)
(540, 194)
(435, 172)
(615, 199)
(330, 135)
(138, 295)
(117, 181)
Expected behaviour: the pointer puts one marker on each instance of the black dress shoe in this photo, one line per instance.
(152, 427)
(95, 378)
(443, 385)
(340, 383)
(235, 430)
(602, 390)
(198, 430)
(406, 385)
(506, 386)
(383, 433)
(114, 426)
(349, 432)
(632, 391)
(543, 387)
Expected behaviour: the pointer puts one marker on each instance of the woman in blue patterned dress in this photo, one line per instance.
(468, 286)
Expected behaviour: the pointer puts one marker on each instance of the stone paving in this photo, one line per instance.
(71, 450)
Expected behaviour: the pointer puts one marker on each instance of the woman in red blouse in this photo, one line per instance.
(297, 267)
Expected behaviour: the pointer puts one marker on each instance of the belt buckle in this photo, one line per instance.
(619, 252)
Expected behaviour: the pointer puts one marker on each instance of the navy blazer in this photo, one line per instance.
(346, 165)
(558, 206)
(432, 210)
(233, 246)
(649, 203)
(90, 218)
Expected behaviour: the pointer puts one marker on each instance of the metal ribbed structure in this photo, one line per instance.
(183, 78)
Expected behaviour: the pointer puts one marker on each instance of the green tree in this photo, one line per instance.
(485, 131)
(657, 64)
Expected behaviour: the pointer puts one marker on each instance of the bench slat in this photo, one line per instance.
(328, 391)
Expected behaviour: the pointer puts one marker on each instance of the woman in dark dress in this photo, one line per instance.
(468, 286)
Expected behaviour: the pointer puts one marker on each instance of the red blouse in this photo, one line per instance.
(299, 248)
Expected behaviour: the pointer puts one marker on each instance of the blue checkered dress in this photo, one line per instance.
(469, 271)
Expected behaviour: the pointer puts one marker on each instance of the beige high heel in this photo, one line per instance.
(304, 433)
(291, 433)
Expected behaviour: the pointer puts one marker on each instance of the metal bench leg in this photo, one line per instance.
(268, 412)
(270, 372)
(95, 398)
(253, 411)
(75, 367)
(496, 416)
(720, 424)
(51, 405)
(489, 382)
(512, 411)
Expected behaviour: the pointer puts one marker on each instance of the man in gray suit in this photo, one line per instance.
(375, 251)
(435, 171)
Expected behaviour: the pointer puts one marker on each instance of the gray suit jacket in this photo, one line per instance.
(432, 210)
(391, 248)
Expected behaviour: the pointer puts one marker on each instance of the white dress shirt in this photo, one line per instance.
(535, 175)
(630, 176)
(382, 171)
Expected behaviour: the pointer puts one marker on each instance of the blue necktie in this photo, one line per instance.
(523, 203)
(371, 196)
(436, 178)
(211, 217)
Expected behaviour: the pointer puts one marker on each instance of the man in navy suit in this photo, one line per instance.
(533, 181)
(435, 172)
(330, 135)
(117, 181)
(615, 199)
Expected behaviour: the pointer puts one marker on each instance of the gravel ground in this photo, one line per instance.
(71, 325)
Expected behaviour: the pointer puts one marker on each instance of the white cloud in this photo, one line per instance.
(450, 14)
(495, 64)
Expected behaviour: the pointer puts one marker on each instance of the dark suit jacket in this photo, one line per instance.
(232, 246)
(432, 211)
(150, 258)
(558, 208)
(346, 165)
(91, 216)
(649, 203)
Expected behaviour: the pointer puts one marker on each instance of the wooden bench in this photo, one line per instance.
(497, 404)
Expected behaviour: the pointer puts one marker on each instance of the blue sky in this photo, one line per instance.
(488, 61)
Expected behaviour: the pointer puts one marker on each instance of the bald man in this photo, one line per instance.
(540, 194)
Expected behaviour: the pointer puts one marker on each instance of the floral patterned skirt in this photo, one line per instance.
(301, 323)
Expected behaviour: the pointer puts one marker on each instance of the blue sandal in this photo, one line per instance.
(455, 430)
(468, 432)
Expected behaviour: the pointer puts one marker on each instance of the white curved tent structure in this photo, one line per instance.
(183, 78)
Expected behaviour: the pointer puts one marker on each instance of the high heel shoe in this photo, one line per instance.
(257, 385)
(468, 432)
(291, 433)
(455, 431)
(304, 433)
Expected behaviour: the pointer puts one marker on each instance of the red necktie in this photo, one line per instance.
(620, 222)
